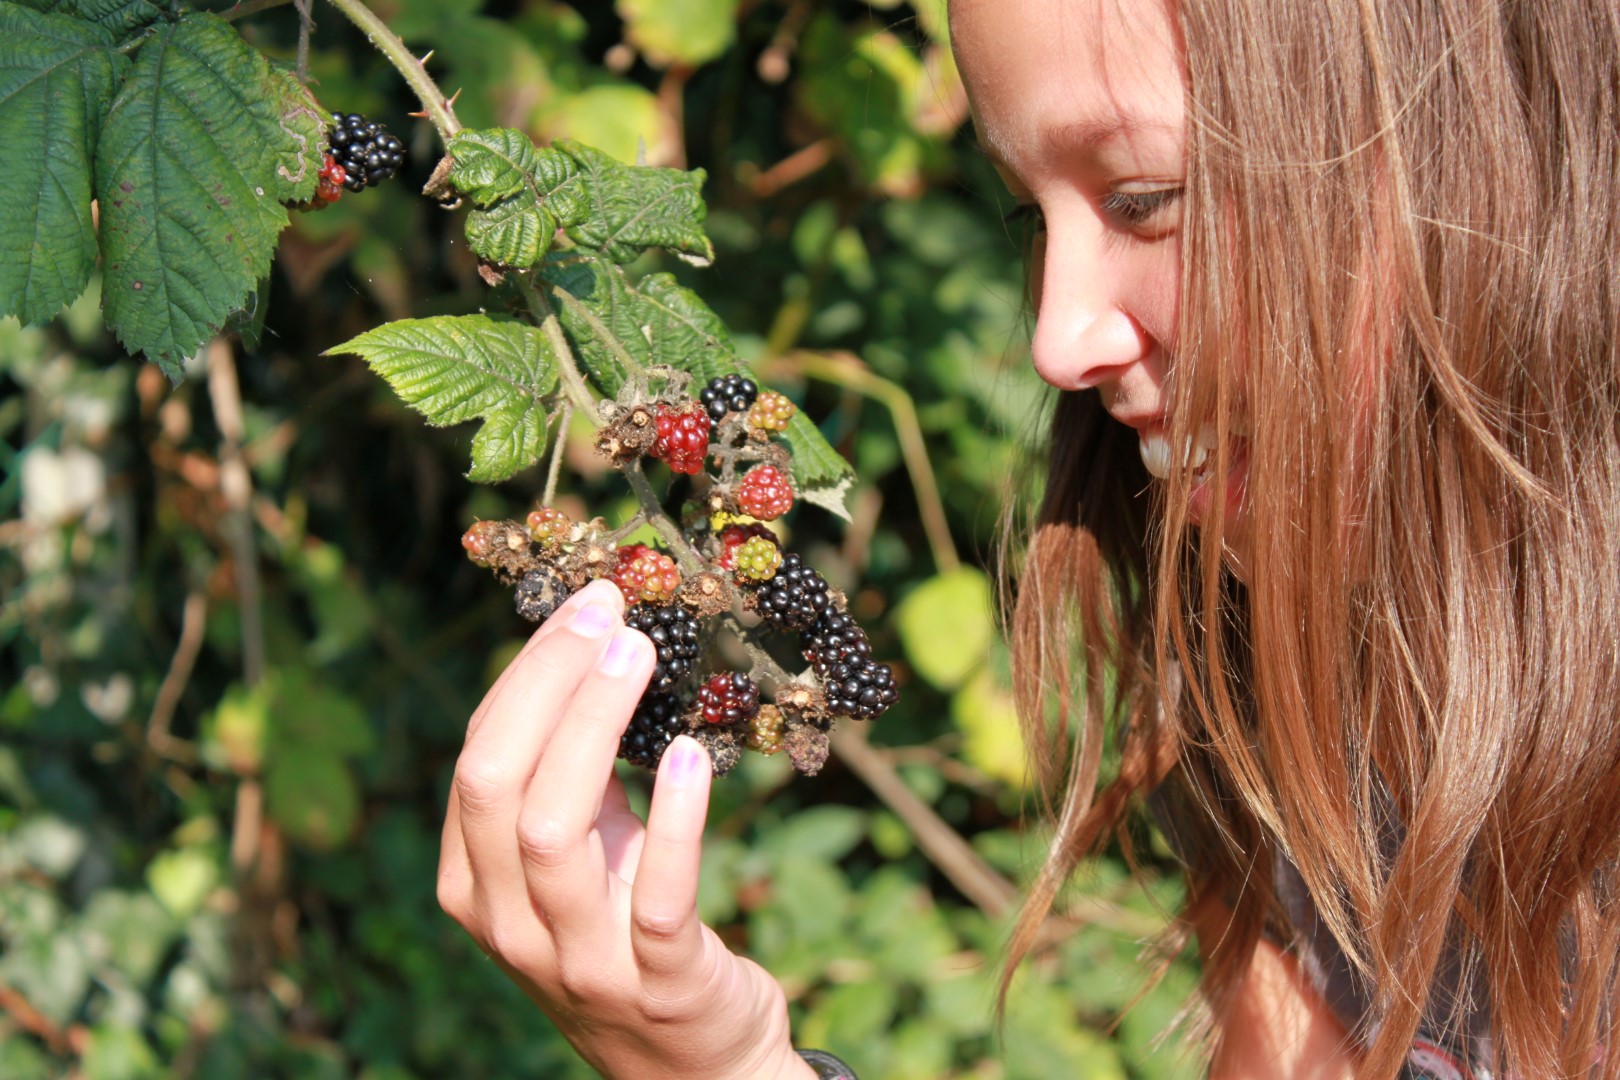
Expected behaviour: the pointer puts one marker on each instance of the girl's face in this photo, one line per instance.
(1079, 103)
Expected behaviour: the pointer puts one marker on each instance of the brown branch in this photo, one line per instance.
(793, 168)
(70, 1040)
(192, 624)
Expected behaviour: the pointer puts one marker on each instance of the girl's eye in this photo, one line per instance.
(1141, 209)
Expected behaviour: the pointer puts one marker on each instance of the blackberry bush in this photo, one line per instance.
(674, 632)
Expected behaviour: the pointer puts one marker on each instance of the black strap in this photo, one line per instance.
(827, 1066)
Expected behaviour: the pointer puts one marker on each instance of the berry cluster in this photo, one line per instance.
(368, 154)
(548, 556)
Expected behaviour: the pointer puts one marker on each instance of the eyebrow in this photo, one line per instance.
(1087, 135)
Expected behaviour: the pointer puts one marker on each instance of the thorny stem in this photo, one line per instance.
(688, 558)
(434, 103)
(540, 307)
(603, 334)
(764, 670)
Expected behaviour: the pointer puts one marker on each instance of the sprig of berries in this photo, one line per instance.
(547, 556)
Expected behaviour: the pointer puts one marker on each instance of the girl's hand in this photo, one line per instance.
(594, 916)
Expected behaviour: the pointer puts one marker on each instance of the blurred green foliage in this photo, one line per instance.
(229, 712)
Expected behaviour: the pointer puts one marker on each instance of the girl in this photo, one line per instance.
(1327, 290)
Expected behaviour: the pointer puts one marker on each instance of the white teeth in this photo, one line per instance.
(1157, 456)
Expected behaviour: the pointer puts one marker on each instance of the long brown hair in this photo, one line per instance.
(1401, 237)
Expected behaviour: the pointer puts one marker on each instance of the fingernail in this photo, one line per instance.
(621, 654)
(682, 759)
(593, 620)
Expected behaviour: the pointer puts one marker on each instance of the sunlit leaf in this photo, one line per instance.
(947, 626)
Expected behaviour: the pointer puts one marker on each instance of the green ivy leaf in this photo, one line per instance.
(120, 16)
(689, 32)
(56, 76)
(657, 322)
(525, 194)
(186, 175)
(454, 369)
(634, 207)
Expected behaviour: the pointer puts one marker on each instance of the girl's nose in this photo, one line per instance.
(1083, 335)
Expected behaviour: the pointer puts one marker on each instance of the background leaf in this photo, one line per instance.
(947, 626)
(680, 31)
(57, 75)
(468, 367)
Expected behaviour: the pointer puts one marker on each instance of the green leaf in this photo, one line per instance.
(526, 194)
(314, 797)
(657, 322)
(188, 182)
(182, 879)
(635, 207)
(454, 369)
(117, 15)
(959, 600)
(689, 32)
(302, 149)
(57, 75)
(991, 739)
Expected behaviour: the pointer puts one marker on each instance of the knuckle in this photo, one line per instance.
(452, 896)
(659, 927)
(544, 840)
(582, 983)
(481, 783)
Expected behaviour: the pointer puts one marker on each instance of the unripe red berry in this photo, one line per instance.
(645, 574)
(765, 492)
(733, 537)
(683, 437)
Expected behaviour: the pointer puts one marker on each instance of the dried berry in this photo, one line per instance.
(728, 698)
(765, 492)
(643, 573)
(479, 541)
(539, 595)
(771, 412)
(683, 437)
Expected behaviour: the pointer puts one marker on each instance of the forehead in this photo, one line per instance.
(1045, 75)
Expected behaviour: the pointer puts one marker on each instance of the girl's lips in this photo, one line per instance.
(1199, 500)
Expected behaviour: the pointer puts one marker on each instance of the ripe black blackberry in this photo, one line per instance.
(861, 689)
(369, 154)
(795, 598)
(538, 595)
(674, 633)
(728, 393)
(835, 639)
(656, 722)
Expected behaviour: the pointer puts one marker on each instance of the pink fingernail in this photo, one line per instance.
(593, 620)
(621, 654)
(682, 759)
